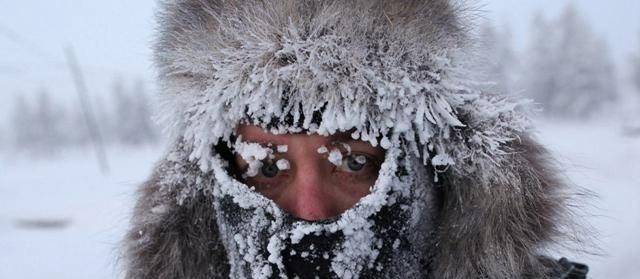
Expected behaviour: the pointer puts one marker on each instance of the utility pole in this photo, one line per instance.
(87, 111)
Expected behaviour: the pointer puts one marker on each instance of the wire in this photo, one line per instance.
(28, 45)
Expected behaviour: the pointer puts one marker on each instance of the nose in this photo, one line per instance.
(311, 197)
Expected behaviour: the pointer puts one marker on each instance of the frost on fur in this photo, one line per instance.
(359, 248)
(426, 99)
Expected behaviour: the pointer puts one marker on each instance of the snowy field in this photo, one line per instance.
(62, 219)
(599, 157)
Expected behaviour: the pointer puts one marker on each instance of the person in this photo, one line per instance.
(308, 184)
(340, 139)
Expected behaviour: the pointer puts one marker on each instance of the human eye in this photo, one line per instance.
(267, 169)
(267, 175)
(356, 163)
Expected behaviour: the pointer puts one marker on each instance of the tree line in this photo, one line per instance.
(565, 68)
(41, 126)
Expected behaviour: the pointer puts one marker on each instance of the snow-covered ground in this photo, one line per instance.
(599, 157)
(80, 215)
(69, 190)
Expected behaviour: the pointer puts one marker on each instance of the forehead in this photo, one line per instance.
(256, 134)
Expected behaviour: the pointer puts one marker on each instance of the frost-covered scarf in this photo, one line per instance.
(385, 234)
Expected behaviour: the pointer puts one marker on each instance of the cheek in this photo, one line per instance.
(351, 189)
(271, 188)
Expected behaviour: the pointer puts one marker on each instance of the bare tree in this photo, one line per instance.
(76, 128)
(541, 83)
(586, 79)
(636, 67)
(3, 140)
(124, 115)
(22, 130)
(147, 131)
(48, 123)
(132, 121)
(38, 129)
(570, 71)
(500, 60)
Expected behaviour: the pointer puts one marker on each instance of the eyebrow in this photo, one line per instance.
(264, 139)
(270, 139)
(342, 136)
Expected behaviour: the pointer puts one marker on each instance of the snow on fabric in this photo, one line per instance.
(251, 224)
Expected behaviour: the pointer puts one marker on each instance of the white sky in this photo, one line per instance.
(113, 37)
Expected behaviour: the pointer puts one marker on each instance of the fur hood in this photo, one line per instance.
(393, 71)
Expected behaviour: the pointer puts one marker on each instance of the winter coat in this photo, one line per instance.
(398, 73)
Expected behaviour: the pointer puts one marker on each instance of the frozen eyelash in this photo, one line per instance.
(283, 164)
(361, 159)
(253, 154)
(335, 157)
(323, 149)
(282, 148)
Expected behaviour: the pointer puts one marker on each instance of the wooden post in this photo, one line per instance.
(87, 111)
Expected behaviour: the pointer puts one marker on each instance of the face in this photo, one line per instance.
(314, 177)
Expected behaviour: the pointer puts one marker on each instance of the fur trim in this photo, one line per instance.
(499, 229)
(170, 236)
(395, 72)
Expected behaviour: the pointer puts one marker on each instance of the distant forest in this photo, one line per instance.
(42, 127)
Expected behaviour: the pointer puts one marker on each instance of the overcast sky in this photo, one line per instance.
(112, 38)
(618, 21)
